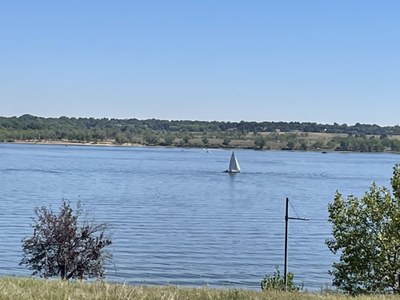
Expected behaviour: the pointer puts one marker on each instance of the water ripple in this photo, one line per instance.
(176, 219)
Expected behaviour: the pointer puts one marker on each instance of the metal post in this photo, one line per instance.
(287, 218)
(286, 242)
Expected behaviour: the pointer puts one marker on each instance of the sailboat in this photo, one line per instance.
(233, 165)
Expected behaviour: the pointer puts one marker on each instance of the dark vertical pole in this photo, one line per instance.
(286, 242)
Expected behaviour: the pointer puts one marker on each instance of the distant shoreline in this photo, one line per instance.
(113, 144)
(286, 136)
(69, 143)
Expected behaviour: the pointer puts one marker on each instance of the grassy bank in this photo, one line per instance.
(305, 141)
(26, 288)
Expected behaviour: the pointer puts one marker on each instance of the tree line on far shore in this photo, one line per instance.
(185, 133)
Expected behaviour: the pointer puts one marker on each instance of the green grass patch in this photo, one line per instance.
(29, 288)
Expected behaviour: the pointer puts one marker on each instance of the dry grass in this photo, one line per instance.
(27, 288)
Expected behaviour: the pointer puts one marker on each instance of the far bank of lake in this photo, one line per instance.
(287, 141)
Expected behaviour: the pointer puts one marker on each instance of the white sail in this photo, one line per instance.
(234, 164)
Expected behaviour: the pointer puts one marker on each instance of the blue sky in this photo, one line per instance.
(261, 60)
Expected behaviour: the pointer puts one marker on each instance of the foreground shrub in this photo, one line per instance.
(63, 246)
(276, 282)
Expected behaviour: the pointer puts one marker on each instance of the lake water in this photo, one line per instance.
(177, 219)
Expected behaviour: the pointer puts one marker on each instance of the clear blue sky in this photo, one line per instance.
(261, 60)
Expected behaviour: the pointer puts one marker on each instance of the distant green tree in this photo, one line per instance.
(98, 135)
(259, 142)
(121, 138)
(185, 139)
(303, 146)
(168, 139)
(366, 235)
(205, 140)
(150, 138)
(226, 141)
(394, 145)
(291, 145)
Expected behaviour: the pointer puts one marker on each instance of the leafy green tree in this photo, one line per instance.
(169, 139)
(366, 234)
(121, 138)
(260, 142)
(150, 138)
(63, 246)
(291, 145)
(226, 141)
(205, 140)
(303, 146)
(185, 139)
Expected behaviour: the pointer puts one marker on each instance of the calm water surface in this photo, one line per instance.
(177, 219)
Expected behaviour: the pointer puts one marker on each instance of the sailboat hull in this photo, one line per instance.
(232, 171)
